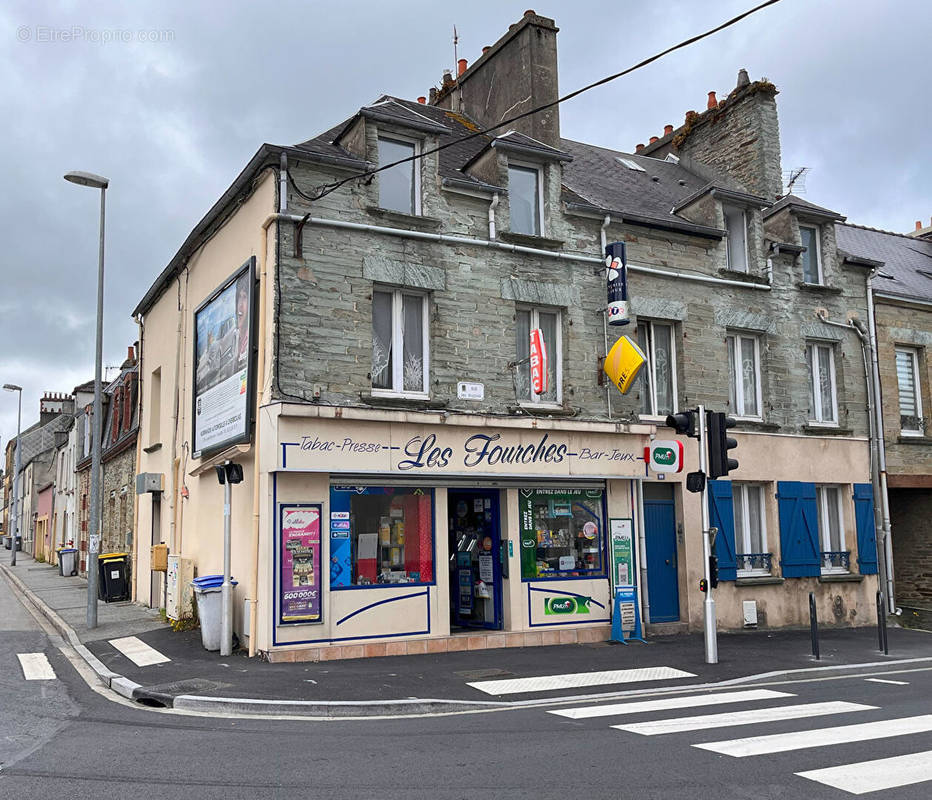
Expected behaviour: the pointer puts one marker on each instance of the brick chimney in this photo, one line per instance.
(739, 136)
(517, 73)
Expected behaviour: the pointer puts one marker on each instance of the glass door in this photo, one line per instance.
(475, 559)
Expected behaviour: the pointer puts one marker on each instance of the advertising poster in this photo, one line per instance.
(622, 553)
(300, 584)
(223, 336)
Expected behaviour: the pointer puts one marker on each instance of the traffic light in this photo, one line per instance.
(684, 422)
(713, 571)
(703, 586)
(719, 444)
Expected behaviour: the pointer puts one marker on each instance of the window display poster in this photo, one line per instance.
(622, 553)
(300, 584)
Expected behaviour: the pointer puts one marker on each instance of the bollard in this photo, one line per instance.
(814, 626)
(882, 624)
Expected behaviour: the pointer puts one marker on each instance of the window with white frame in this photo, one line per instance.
(823, 403)
(399, 187)
(907, 379)
(658, 378)
(811, 256)
(550, 324)
(751, 553)
(399, 342)
(834, 557)
(736, 242)
(744, 375)
(525, 199)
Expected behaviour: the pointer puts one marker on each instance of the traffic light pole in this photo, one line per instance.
(711, 644)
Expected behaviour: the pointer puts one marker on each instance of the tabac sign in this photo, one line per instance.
(400, 449)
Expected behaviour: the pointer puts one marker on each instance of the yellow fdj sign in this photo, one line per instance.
(623, 363)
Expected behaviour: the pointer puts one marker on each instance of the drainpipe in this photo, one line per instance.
(603, 240)
(881, 445)
(283, 184)
(492, 206)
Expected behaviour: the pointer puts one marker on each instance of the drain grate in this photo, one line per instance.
(479, 674)
(187, 686)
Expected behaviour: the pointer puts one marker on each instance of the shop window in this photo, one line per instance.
(399, 187)
(562, 533)
(381, 536)
(399, 342)
(548, 320)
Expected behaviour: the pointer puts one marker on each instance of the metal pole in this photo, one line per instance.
(814, 626)
(15, 525)
(94, 535)
(226, 590)
(711, 644)
(882, 623)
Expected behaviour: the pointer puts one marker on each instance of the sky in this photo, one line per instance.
(170, 98)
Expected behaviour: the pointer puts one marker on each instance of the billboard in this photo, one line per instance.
(300, 580)
(224, 332)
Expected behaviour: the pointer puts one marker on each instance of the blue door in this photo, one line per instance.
(475, 559)
(662, 587)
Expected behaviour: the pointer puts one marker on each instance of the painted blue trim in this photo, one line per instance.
(498, 604)
(568, 594)
(425, 593)
(275, 559)
(532, 624)
(593, 576)
(379, 586)
(278, 577)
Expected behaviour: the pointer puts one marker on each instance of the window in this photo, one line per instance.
(744, 375)
(831, 530)
(562, 533)
(381, 535)
(907, 378)
(630, 164)
(525, 199)
(750, 529)
(736, 243)
(399, 187)
(155, 405)
(549, 322)
(399, 342)
(658, 379)
(820, 361)
(812, 261)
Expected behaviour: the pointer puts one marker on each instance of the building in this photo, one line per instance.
(360, 348)
(902, 300)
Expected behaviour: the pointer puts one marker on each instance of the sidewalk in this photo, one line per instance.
(195, 679)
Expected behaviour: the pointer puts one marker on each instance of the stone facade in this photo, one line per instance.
(911, 521)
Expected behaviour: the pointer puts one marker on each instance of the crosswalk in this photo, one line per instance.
(771, 706)
(37, 667)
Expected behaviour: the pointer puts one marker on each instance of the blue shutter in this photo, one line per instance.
(867, 534)
(799, 529)
(722, 516)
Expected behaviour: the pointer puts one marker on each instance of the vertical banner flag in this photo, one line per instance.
(616, 272)
(538, 359)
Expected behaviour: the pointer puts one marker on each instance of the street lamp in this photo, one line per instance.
(12, 387)
(95, 182)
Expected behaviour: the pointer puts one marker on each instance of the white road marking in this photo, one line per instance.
(705, 721)
(137, 651)
(544, 683)
(800, 740)
(36, 667)
(881, 680)
(871, 776)
(666, 703)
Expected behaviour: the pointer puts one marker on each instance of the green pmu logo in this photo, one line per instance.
(664, 456)
(566, 605)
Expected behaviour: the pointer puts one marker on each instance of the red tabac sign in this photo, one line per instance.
(538, 362)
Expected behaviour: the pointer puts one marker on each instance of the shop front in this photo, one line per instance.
(399, 533)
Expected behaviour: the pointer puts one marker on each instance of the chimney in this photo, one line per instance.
(712, 101)
(422, 100)
(654, 139)
(918, 225)
(517, 73)
(461, 66)
(667, 130)
(638, 148)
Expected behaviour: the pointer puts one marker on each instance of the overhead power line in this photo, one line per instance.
(324, 189)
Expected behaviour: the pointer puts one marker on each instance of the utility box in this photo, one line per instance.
(750, 613)
(158, 558)
(149, 482)
(178, 577)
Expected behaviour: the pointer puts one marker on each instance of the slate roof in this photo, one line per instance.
(792, 201)
(40, 440)
(907, 260)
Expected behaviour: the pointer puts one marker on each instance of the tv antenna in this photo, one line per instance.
(456, 41)
(795, 180)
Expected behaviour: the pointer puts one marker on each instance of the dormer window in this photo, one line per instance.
(399, 187)
(736, 224)
(525, 199)
(812, 262)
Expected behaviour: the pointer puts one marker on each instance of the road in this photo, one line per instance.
(62, 739)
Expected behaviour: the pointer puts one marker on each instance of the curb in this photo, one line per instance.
(351, 709)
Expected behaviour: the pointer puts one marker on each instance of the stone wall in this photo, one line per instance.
(119, 476)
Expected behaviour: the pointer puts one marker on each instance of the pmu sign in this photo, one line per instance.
(616, 273)
(538, 359)
(664, 456)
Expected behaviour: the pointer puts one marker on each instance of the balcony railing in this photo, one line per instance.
(836, 559)
(754, 562)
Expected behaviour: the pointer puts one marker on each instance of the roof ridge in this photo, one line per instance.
(880, 230)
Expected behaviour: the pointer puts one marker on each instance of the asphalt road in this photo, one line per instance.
(61, 739)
